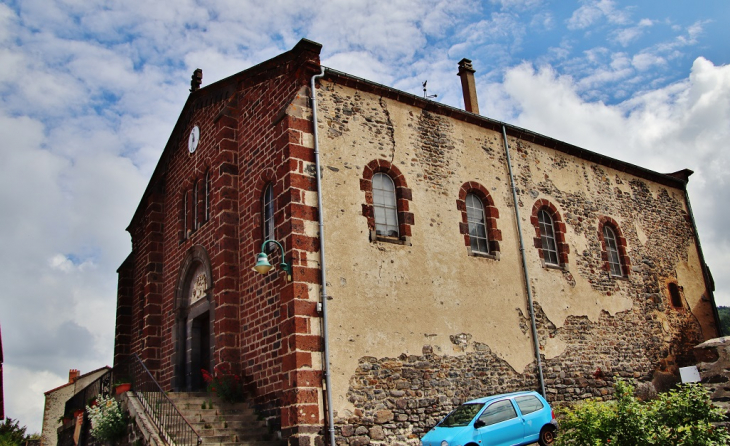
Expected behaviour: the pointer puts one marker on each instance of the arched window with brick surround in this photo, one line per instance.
(613, 248)
(387, 202)
(549, 234)
(478, 220)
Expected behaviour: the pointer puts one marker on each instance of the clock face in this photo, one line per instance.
(193, 139)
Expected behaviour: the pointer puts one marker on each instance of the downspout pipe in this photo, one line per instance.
(530, 306)
(323, 264)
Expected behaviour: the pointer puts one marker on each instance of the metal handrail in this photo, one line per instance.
(172, 427)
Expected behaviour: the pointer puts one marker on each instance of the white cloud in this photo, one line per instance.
(657, 130)
(24, 398)
(517, 4)
(628, 35)
(593, 11)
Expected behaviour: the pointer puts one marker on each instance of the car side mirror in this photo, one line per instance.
(479, 423)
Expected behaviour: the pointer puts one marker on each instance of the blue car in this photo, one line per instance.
(509, 419)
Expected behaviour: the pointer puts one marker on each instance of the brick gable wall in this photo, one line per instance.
(254, 128)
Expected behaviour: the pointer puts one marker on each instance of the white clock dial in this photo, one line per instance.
(193, 139)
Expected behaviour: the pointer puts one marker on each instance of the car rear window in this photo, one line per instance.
(462, 415)
(528, 404)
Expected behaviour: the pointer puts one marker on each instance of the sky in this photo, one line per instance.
(91, 89)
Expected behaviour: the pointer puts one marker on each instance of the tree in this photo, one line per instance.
(11, 434)
(724, 313)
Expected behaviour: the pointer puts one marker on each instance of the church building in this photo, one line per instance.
(416, 256)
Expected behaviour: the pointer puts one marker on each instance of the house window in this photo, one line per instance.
(549, 234)
(614, 259)
(186, 214)
(675, 297)
(613, 246)
(387, 203)
(195, 206)
(268, 212)
(477, 224)
(547, 238)
(384, 206)
(478, 220)
(207, 195)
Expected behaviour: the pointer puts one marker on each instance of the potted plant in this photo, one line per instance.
(122, 385)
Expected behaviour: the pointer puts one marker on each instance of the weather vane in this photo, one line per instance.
(425, 93)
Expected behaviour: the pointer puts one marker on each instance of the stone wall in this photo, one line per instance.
(421, 327)
(713, 363)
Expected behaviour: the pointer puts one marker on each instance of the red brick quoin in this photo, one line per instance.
(403, 195)
(491, 214)
(620, 241)
(558, 226)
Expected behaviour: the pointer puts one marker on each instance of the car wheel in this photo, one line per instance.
(547, 436)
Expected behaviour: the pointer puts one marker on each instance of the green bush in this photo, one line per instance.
(683, 416)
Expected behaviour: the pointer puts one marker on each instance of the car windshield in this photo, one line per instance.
(462, 415)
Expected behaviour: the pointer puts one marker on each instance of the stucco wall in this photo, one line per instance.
(416, 328)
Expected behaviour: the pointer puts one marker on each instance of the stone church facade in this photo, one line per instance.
(426, 303)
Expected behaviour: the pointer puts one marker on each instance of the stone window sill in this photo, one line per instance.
(375, 238)
(556, 267)
(491, 256)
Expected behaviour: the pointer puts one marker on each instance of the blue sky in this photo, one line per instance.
(90, 91)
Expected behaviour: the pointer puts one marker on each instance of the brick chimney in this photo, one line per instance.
(468, 86)
(73, 375)
(196, 80)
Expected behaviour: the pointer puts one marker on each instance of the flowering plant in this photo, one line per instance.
(108, 421)
(226, 384)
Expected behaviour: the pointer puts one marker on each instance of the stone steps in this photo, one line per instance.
(222, 423)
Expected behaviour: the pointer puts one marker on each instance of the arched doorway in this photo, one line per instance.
(194, 334)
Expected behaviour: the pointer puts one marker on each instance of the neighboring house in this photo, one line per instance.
(426, 304)
(56, 402)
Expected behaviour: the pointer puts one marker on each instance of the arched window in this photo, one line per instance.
(478, 220)
(267, 213)
(207, 195)
(549, 234)
(614, 259)
(196, 221)
(613, 248)
(186, 215)
(387, 203)
(477, 224)
(547, 237)
(384, 206)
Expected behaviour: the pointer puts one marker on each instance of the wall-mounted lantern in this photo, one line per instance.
(262, 261)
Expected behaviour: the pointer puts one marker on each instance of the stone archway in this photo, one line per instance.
(194, 337)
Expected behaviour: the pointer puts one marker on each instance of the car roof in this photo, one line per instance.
(490, 398)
